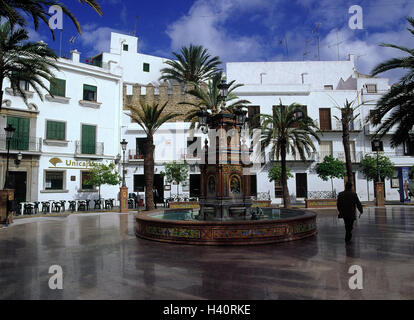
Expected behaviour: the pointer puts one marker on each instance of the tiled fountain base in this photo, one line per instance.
(244, 232)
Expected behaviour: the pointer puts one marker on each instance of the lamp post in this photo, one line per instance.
(377, 144)
(123, 194)
(123, 145)
(9, 135)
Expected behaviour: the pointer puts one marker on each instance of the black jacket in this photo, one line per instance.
(347, 203)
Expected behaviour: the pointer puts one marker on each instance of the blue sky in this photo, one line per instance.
(244, 30)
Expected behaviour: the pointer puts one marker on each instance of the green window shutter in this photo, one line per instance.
(89, 92)
(88, 139)
(146, 67)
(55, 130)
(58, 87)
(20, 140)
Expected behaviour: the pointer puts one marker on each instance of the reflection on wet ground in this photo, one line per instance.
(102, 259)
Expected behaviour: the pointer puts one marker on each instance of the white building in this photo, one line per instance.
(319, 85)
(60, 137)
(85, 123)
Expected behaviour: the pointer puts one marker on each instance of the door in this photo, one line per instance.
(18, 181)
(325, 119)
(195, 185)
(20, 140)
(88, 139)
(301, 185)
(253, 185)
(159, 185)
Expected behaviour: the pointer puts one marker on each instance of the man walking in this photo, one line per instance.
(346, 204)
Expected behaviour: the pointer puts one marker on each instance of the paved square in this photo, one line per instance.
(102, 259)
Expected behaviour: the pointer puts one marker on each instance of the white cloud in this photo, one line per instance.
(205, 25)
(98, 39)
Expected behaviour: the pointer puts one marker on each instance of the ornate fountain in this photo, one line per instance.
(226, 216)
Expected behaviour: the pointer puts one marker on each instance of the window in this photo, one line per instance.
(54, 180)
(380, 148)
(372, 114)
(24, 85)
(325, 119)
(328, 87)
(20, 140)
(89, 93)
(371, 88)
(140, 147)
(85, 175)
(254, 119)
(146, 67)
(55, 130)
(125, 47)
(58, 87)
(88, 139)
(325, 149)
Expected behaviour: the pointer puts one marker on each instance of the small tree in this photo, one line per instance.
(176, 172)
(369, 167)
(101, 173)
(331, 168)
(275, 174)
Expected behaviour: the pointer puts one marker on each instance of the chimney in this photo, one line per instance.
(351, 57)
(75, 56)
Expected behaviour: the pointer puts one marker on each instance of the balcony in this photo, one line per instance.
(336, 126)
(89, 151)
(135, 156)
(22, 144)
(291, 158)
(356, 156)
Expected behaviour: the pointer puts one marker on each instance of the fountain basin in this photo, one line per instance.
(178, 226)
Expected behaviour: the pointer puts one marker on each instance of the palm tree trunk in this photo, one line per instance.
(347, 150)
(1, 92)
(149, 173)
(286, 198)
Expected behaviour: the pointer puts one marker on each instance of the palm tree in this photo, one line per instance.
(395, 107)
(288, 130)
(349, 113)
(194, 65)
(149, 118)
(39, 10)
(24, 61)
(208, 98)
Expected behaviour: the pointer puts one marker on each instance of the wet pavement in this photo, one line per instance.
(102, 259)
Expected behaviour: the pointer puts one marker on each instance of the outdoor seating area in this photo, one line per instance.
(58, 206)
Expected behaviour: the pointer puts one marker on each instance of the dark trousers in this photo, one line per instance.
(349, 225)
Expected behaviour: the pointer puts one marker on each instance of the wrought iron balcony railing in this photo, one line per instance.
(29, 144)
(134, 155)
(96, 149)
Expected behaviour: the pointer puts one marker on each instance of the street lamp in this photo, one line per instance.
(223, 90)
(202, 119)
(377, 144)
(123, 145)
(18, 159)
(241, 116)
(9, 135)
